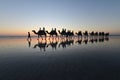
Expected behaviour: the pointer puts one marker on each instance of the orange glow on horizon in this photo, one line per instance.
(24, 32)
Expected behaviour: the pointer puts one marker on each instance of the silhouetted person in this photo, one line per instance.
(29, 37)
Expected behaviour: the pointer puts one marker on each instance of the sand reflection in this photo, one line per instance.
(61, 42)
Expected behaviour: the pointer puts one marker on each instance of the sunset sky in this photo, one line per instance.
(17, 17)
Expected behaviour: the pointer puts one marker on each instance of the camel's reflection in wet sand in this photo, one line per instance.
(66, 42)
(41, 44)
(53, 44)
(79, 41)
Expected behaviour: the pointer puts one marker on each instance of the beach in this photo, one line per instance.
(21, 59)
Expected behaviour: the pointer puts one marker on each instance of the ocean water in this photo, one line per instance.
(60, 59)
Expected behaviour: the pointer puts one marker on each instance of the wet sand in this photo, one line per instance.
(20, 60)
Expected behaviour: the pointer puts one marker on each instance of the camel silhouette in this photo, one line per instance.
(106, 34)
(92, 34)
(101, 33)
(40, 33)
(96, 34)
(85, 34)
(52, 33)
(63, 32)
(69, 33)
(79, 33)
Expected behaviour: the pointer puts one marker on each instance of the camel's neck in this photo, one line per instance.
(35, 32)
(48, 32)
(59, 32)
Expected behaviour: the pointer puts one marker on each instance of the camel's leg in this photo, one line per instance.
(55, 37)
(38, 37)
(52, 37)
(49, 37)
(42, 37)
(45, 36)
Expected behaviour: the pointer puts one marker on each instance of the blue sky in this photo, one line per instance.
(21, 16)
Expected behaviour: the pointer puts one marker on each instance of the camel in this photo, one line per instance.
(52, 33)
(40, 33)
(63, 32)
(66, 34)
(106, 34)
(92, 34)
(69, 33)
(85, 34)
(79, 33)
(96, 34)
(101, 34)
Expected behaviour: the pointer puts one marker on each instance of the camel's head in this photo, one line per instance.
(47, 31)
(33, 30)
(58, 30)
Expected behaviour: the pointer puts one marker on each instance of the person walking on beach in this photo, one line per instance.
(29, 37)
